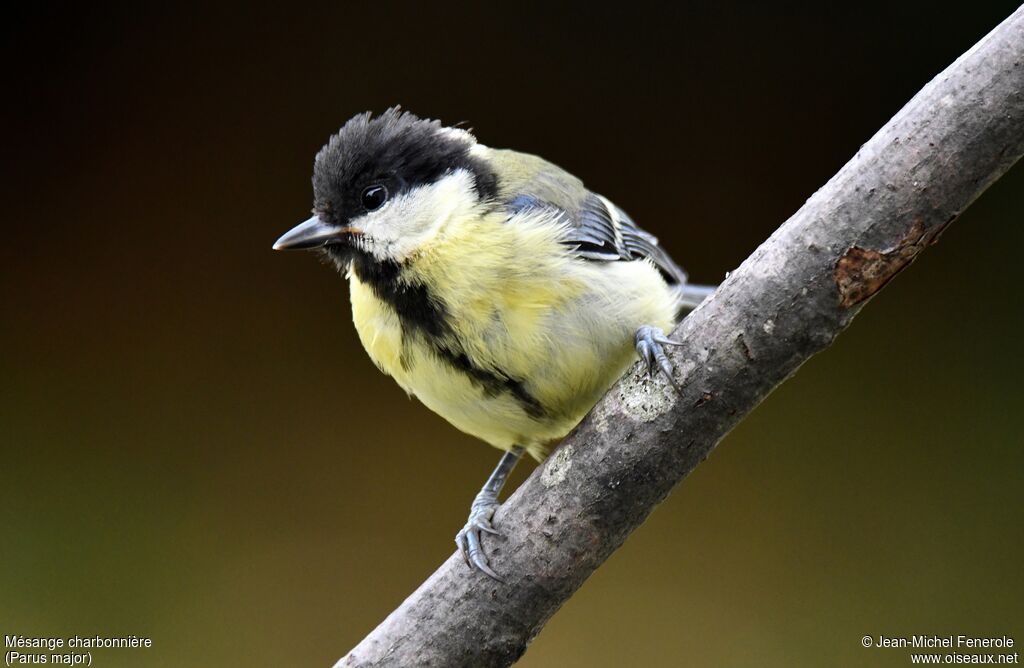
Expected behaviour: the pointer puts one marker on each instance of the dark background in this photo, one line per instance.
(195, 448)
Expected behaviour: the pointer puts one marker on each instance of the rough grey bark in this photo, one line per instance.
(788, 300)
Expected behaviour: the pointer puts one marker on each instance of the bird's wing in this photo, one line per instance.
(596, 229)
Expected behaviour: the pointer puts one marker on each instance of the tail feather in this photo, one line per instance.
(691, 295)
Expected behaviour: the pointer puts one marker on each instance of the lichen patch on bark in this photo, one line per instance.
(557, 467)
(648, 399)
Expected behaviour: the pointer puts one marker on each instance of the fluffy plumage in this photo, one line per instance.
(523, 335)
(492, 285)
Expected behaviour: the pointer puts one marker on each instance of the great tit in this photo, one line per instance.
(490, 284)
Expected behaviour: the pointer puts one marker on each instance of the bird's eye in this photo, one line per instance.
(374, 197)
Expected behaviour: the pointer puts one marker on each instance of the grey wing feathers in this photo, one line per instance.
(601, 231)
(598, 230)
(638, 243)
(595, 231)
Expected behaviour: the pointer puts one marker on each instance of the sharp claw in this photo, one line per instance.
(486, 570)
(648, 345)
(476, 555)
(647, 355)
(671, 381)
(491, 574)
(481, 515)
(460, 543)
(468, 539)
(474, 545)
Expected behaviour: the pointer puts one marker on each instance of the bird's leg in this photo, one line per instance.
(481, 512)
(649, 341)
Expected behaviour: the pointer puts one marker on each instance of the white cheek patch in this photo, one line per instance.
(406, 222)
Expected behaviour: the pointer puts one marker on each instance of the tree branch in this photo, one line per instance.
(788, 300)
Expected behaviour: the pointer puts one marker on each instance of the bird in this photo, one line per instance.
(490, 284)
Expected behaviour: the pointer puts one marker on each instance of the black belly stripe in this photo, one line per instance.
(494, 383)
(424, 316)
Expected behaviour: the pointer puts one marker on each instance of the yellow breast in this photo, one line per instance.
(518, 307)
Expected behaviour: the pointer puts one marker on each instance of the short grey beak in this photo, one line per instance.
(313, 233)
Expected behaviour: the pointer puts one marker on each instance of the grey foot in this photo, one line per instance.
(468, 539)
(649, 345)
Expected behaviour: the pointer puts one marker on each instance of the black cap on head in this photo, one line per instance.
(396, 149)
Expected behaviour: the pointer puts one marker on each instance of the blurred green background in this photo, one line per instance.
(195, 448)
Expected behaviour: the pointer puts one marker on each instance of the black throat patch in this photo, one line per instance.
(427, 318)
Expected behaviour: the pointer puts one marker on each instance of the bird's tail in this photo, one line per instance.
(691, 295)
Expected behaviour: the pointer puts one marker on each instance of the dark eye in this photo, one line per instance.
(374, 197)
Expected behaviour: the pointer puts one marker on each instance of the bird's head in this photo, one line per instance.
(386, 185)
